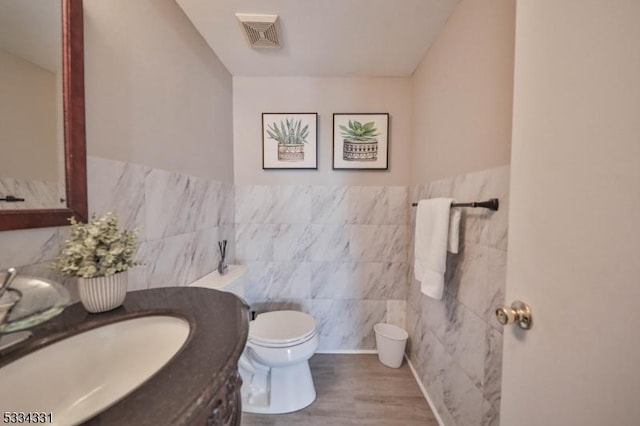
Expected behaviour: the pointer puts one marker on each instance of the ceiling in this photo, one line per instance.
(324, 38)
(32, 30)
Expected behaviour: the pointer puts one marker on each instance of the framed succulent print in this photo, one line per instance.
(361, 141)
(289, 140)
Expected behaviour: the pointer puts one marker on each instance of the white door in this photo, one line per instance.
(574, 243)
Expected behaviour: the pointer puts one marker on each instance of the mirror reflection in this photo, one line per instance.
(31, 105)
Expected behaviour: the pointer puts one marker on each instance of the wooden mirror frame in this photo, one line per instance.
(74, 132)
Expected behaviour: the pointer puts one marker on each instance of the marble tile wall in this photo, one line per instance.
(181, 219)
(37, 194)
(337, 252)
(455, 343)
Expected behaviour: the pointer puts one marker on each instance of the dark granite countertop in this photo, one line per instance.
(176, 393)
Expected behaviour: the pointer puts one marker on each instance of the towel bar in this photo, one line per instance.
(491, 204)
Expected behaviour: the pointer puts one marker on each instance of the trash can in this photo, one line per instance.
(391, 341)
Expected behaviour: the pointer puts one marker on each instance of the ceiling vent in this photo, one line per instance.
(260, 29)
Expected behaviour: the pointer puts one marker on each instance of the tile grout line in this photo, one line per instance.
(424, 391)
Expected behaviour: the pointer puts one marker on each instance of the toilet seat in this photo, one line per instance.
(281, 329)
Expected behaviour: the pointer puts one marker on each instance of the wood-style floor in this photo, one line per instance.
(356, 390)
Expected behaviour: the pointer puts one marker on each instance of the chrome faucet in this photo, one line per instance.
(11, 274)
(28, 302)
(7, 302)
(9, 297)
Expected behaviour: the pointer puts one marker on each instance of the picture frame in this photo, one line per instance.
(290, 140)
(361, 141)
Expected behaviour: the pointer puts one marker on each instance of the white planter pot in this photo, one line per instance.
(101, 294)
(360, 151)
(290, 152)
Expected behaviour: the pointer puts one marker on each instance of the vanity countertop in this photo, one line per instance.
(179, 392)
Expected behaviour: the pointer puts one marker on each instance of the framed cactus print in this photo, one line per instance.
(290, 140)
(361, 141)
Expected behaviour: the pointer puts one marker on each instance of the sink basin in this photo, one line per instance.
(78, 377)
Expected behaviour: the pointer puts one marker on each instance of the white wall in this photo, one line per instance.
(155, 93)
(574, 234)
(28, 113)
(462, 93)
(254, 95)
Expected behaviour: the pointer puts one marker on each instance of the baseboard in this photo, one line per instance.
(424, 391)
(348, 351)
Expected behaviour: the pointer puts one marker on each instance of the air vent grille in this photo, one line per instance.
(260, 29)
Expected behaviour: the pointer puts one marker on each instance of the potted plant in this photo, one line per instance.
(291, 137)
(360, 141)
(99, 254)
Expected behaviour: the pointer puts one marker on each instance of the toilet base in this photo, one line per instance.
(288, 389)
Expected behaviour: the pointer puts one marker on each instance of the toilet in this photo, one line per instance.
(274, 366)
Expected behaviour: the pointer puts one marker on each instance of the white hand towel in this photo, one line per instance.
(432, 235)
(454, 231)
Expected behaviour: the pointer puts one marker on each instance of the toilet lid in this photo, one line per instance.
(281, 327)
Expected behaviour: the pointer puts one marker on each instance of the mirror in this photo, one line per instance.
(42, 137)
(31, 134)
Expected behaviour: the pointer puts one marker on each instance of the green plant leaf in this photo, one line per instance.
(284, 131)
(289, 131)
(280, 135)
(296, 132)
(271, 135)
(97, 248)
(274, 129)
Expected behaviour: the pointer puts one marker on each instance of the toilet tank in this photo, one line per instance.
(232, 281)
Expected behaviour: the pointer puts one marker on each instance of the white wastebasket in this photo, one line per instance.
(391, 341)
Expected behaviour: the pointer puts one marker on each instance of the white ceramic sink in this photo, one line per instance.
(80, 376)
